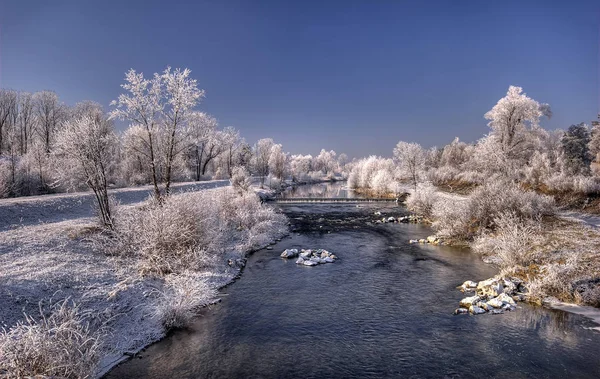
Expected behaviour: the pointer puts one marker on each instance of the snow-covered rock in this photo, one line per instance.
(413, 241)
(391, 219)
(489, 288)
(309, 263)
(506, 299)
(459, 311)
(468, 286)
(305, 253)
(300, 261)
(289, 253)
(475, 310)
(468, 301)
(495, 302)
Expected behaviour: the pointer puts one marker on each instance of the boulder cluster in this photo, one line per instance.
(432, 240)
(391, 219)
(495, 296)
(309, 257)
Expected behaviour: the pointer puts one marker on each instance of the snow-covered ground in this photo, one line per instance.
(46, 253)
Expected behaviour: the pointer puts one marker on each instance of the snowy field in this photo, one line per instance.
(46, 254)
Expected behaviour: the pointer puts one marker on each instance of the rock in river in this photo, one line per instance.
(468, 301)
(289, 253)
(489, 288)
(475, 310)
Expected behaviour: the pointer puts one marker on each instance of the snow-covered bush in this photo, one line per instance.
(181, 298)
(512, 242)
(61, 345)
(422, 201)
(383, 182)
(573, 183)
(468, 218)
(6, 184)
(171, 235)
(240, 180)
(373, 174)
(191, 230)
(452, 219)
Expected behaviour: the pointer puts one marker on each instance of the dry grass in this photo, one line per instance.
(61, 345)
(565, 264)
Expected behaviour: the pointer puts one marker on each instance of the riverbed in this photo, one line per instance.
(383, 309)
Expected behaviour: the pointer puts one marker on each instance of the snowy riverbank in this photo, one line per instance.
(49, 253)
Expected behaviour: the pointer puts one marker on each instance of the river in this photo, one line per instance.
(384, 309)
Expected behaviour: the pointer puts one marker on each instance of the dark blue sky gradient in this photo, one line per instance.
(353, 76)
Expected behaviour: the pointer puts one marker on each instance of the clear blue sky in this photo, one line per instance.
(353, 76)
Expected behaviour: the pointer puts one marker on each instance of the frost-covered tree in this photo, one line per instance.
(84, 150)
(203, 128)
(300, 166)
(454, 154)
(277, 161)
(162, 106)
(240, 180)
(262, 153)
(511, 120)
(326, 161)
(25, 121)
(50, 113)
(8, 109)
(594, 144)
(232, 143)
(575, 144)
(410, 158)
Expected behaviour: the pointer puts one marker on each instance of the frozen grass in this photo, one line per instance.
(512, 241)
(181, 298)
(62, 345)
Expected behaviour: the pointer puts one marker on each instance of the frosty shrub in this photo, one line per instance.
(422, 201)
(452, 219)
(557, 279)
(383, 182)
(573, 183)
(273, 182)
(5, 179)
(191, 230)
(512, 241)
(240, 180)
(442, 175)
(61, 345)
(466, 219)
(181, 298)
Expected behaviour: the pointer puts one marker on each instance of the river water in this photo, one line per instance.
(384, 309)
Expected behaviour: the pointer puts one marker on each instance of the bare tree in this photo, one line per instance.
(25, 121)
(49, 113)
(8, 109)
